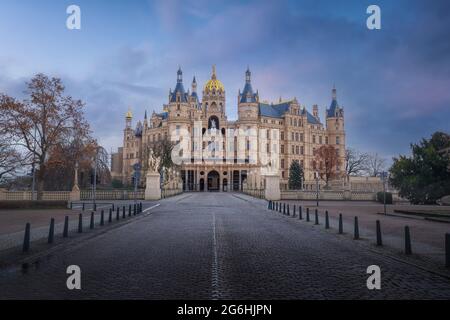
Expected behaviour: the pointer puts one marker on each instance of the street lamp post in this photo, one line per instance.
(94, 191)
(383, 177)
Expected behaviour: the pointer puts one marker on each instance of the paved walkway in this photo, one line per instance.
(220, 246)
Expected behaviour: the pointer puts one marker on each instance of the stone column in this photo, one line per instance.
(272, 191)
(75, 194)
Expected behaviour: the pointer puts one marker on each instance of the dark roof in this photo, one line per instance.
(164, 115)
(248, 95)
(333, 110)
(273, 110)
(179, 89)
(278, 111)
(138, 131)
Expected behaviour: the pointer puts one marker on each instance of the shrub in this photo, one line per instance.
(20, 205)
(380, 197)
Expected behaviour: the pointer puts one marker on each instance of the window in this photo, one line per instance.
(268, 148)
(293, 150)
(297, 150)
(302, 138)
(282, 135)
(178, 130)
(314, 139)
(338, 140)
(293, 136)
(282, 163)
(320, 140)
(282, 149)
(302, 150)
(326, 140)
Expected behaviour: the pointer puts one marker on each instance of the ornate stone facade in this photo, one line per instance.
(214, 157)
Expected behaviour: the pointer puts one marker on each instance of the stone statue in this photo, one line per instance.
(213, 124)
(153, 162)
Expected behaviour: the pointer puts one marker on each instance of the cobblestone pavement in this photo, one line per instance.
(220, 246)
(428, 237)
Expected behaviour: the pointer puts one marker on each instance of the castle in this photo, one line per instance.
(215, 157)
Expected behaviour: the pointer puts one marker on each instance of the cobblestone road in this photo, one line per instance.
(220, 246)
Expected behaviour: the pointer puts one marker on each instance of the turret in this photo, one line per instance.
(248, 100)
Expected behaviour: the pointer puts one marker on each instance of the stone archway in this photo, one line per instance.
(214, 181)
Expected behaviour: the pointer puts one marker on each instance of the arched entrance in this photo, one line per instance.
(202, 185)
(213, 181)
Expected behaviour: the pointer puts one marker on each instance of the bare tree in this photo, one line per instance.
(375, 165)
(42, 122)
(10, 160)
(326, 163)
(355, 162)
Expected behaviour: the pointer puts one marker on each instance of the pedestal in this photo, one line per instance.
(75, 194)
(153, 187)
(272, 191)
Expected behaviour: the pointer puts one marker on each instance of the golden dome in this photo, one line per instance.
(129, 114)
(214, 84)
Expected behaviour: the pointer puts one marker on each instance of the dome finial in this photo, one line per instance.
(214, 75)
(129, 114)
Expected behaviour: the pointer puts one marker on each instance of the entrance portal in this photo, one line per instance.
(213, 181)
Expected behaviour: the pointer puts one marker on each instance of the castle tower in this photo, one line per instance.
(336, 128)
(214, 96)
(178, 100)
(248, 100)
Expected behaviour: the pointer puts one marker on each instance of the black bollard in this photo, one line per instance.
(83, 206)
(129, 210)
(317, 218)
(300, 213)
(113, 207)
(110, 215)
(284, 208)
(307, 215)
(66, 227)
(95, 207)
(447, 250)
(118, 214)
(71, 205)
(270, 203)
(295, 213)
(51, 231)
(134, 209)
(26, 239)
(288, 211)
(102, 218)
(379, 239)
(408, 249)
(341, 224)
(92, 220)
(124, 214)
(327, 220)
(80, 223)
(356, 234)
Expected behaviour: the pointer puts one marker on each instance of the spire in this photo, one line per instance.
(248, 75)
(179, 75)
(194, 85)
(334, 93)
(145, 117)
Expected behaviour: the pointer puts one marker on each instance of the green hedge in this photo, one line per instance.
(380, 197)
(33, 205)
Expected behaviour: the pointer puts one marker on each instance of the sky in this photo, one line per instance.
(394, 83)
